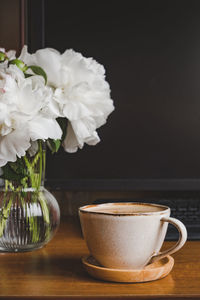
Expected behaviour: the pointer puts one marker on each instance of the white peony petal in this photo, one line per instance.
(24, 55)
(72, 111)
(49, 60)
(14, 144)
(70, 142)
(15, 73)
(78, 133)
(11, 54)
(3, 162)
(44, 128)
(83, 128)
(93, 139)
(28, 100)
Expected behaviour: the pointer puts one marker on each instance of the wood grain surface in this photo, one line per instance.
(56, 272)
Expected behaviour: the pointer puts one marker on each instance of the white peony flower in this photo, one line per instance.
(23, 116)
(81, 91)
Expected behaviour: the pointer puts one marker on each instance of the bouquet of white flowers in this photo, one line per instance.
(48, 96)
(45, 97)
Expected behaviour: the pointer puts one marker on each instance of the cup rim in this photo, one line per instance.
(165, 209)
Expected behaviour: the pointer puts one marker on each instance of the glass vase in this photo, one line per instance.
(29, 213)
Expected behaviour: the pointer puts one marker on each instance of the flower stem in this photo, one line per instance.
(5, 212)
(41, 164)
(33, 169)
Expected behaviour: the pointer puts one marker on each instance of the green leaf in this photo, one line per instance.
(10, 174)
(3, 56)
(18, 167)
(14, 171)
(39, 71)
(54, 145)
(28, 75)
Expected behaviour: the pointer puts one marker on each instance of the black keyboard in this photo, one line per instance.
(186, 210)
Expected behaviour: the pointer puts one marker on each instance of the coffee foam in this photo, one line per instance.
(124, 208)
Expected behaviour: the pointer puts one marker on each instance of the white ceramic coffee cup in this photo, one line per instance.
(128, 235)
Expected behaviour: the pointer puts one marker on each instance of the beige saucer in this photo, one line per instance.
(151, 272)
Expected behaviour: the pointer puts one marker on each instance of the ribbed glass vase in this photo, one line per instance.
(29, 213)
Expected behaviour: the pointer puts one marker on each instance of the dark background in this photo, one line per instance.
(11, 24)
(151, 53)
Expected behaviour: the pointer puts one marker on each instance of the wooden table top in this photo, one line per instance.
(56, 272)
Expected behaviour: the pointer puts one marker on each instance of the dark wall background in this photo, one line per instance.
(151, 51)
(12, 31)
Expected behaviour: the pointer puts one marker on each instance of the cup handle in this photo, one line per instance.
(182, 239)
